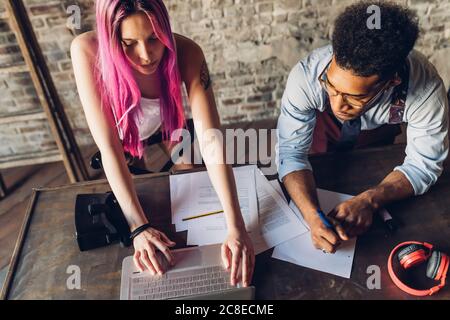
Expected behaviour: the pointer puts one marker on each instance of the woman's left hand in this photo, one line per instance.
(237, 249)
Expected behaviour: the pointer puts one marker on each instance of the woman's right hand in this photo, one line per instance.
(145, 246)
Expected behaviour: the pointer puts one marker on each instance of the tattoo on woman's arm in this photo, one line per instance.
(205, 79)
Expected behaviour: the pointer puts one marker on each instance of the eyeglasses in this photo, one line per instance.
(353, 101)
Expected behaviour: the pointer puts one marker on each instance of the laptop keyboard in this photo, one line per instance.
(180, 283)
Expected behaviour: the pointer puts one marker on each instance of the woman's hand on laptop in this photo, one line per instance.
(145, 246)
(237, 249)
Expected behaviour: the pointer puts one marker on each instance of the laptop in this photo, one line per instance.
(198, 274)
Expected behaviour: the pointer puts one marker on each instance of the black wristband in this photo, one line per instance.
(138, 230)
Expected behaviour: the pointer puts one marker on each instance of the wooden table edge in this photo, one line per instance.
(19, 245)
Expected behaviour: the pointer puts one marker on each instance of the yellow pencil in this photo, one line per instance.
(202, 215)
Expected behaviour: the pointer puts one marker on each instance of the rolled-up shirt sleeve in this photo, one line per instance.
(427, 140)
(295, 124)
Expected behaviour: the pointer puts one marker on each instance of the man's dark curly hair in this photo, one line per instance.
(368, 52)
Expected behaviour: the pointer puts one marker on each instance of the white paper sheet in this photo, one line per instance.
(276, 185)
(213, 229)
(301, 250)
(193, 194)
(277, 222)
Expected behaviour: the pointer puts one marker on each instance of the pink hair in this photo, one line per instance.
(117, 86)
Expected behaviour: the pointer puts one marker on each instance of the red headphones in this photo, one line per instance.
(413, 253)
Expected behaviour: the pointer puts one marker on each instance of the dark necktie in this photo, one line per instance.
(349, 134)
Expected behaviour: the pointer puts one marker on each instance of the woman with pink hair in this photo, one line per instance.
(130, 71)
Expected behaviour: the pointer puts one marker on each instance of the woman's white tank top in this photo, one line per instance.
(151, 116)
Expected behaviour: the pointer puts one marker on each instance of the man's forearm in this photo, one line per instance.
(393, 188)
(302, 189)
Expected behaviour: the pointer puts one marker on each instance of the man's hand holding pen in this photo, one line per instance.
(326, 232)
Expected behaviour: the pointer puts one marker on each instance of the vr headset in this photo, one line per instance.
(99, 221)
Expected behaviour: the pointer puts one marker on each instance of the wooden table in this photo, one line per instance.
(47, 247)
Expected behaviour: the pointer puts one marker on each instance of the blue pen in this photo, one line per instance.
(324, 219)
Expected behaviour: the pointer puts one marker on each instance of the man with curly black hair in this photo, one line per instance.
(356, 93)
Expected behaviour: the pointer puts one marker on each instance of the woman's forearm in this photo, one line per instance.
(221, 174)
(121, 183)
(207, 123)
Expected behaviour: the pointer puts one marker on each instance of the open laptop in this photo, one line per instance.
(198, 274)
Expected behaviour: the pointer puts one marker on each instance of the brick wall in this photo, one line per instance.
(250, 47)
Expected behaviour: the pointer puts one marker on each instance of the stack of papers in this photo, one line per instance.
(267, 216)
(192, 194)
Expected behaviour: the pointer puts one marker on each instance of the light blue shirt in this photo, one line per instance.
(426, 113)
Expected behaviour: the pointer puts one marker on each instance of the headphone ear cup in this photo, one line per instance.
(411, 255)
(433, 265)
